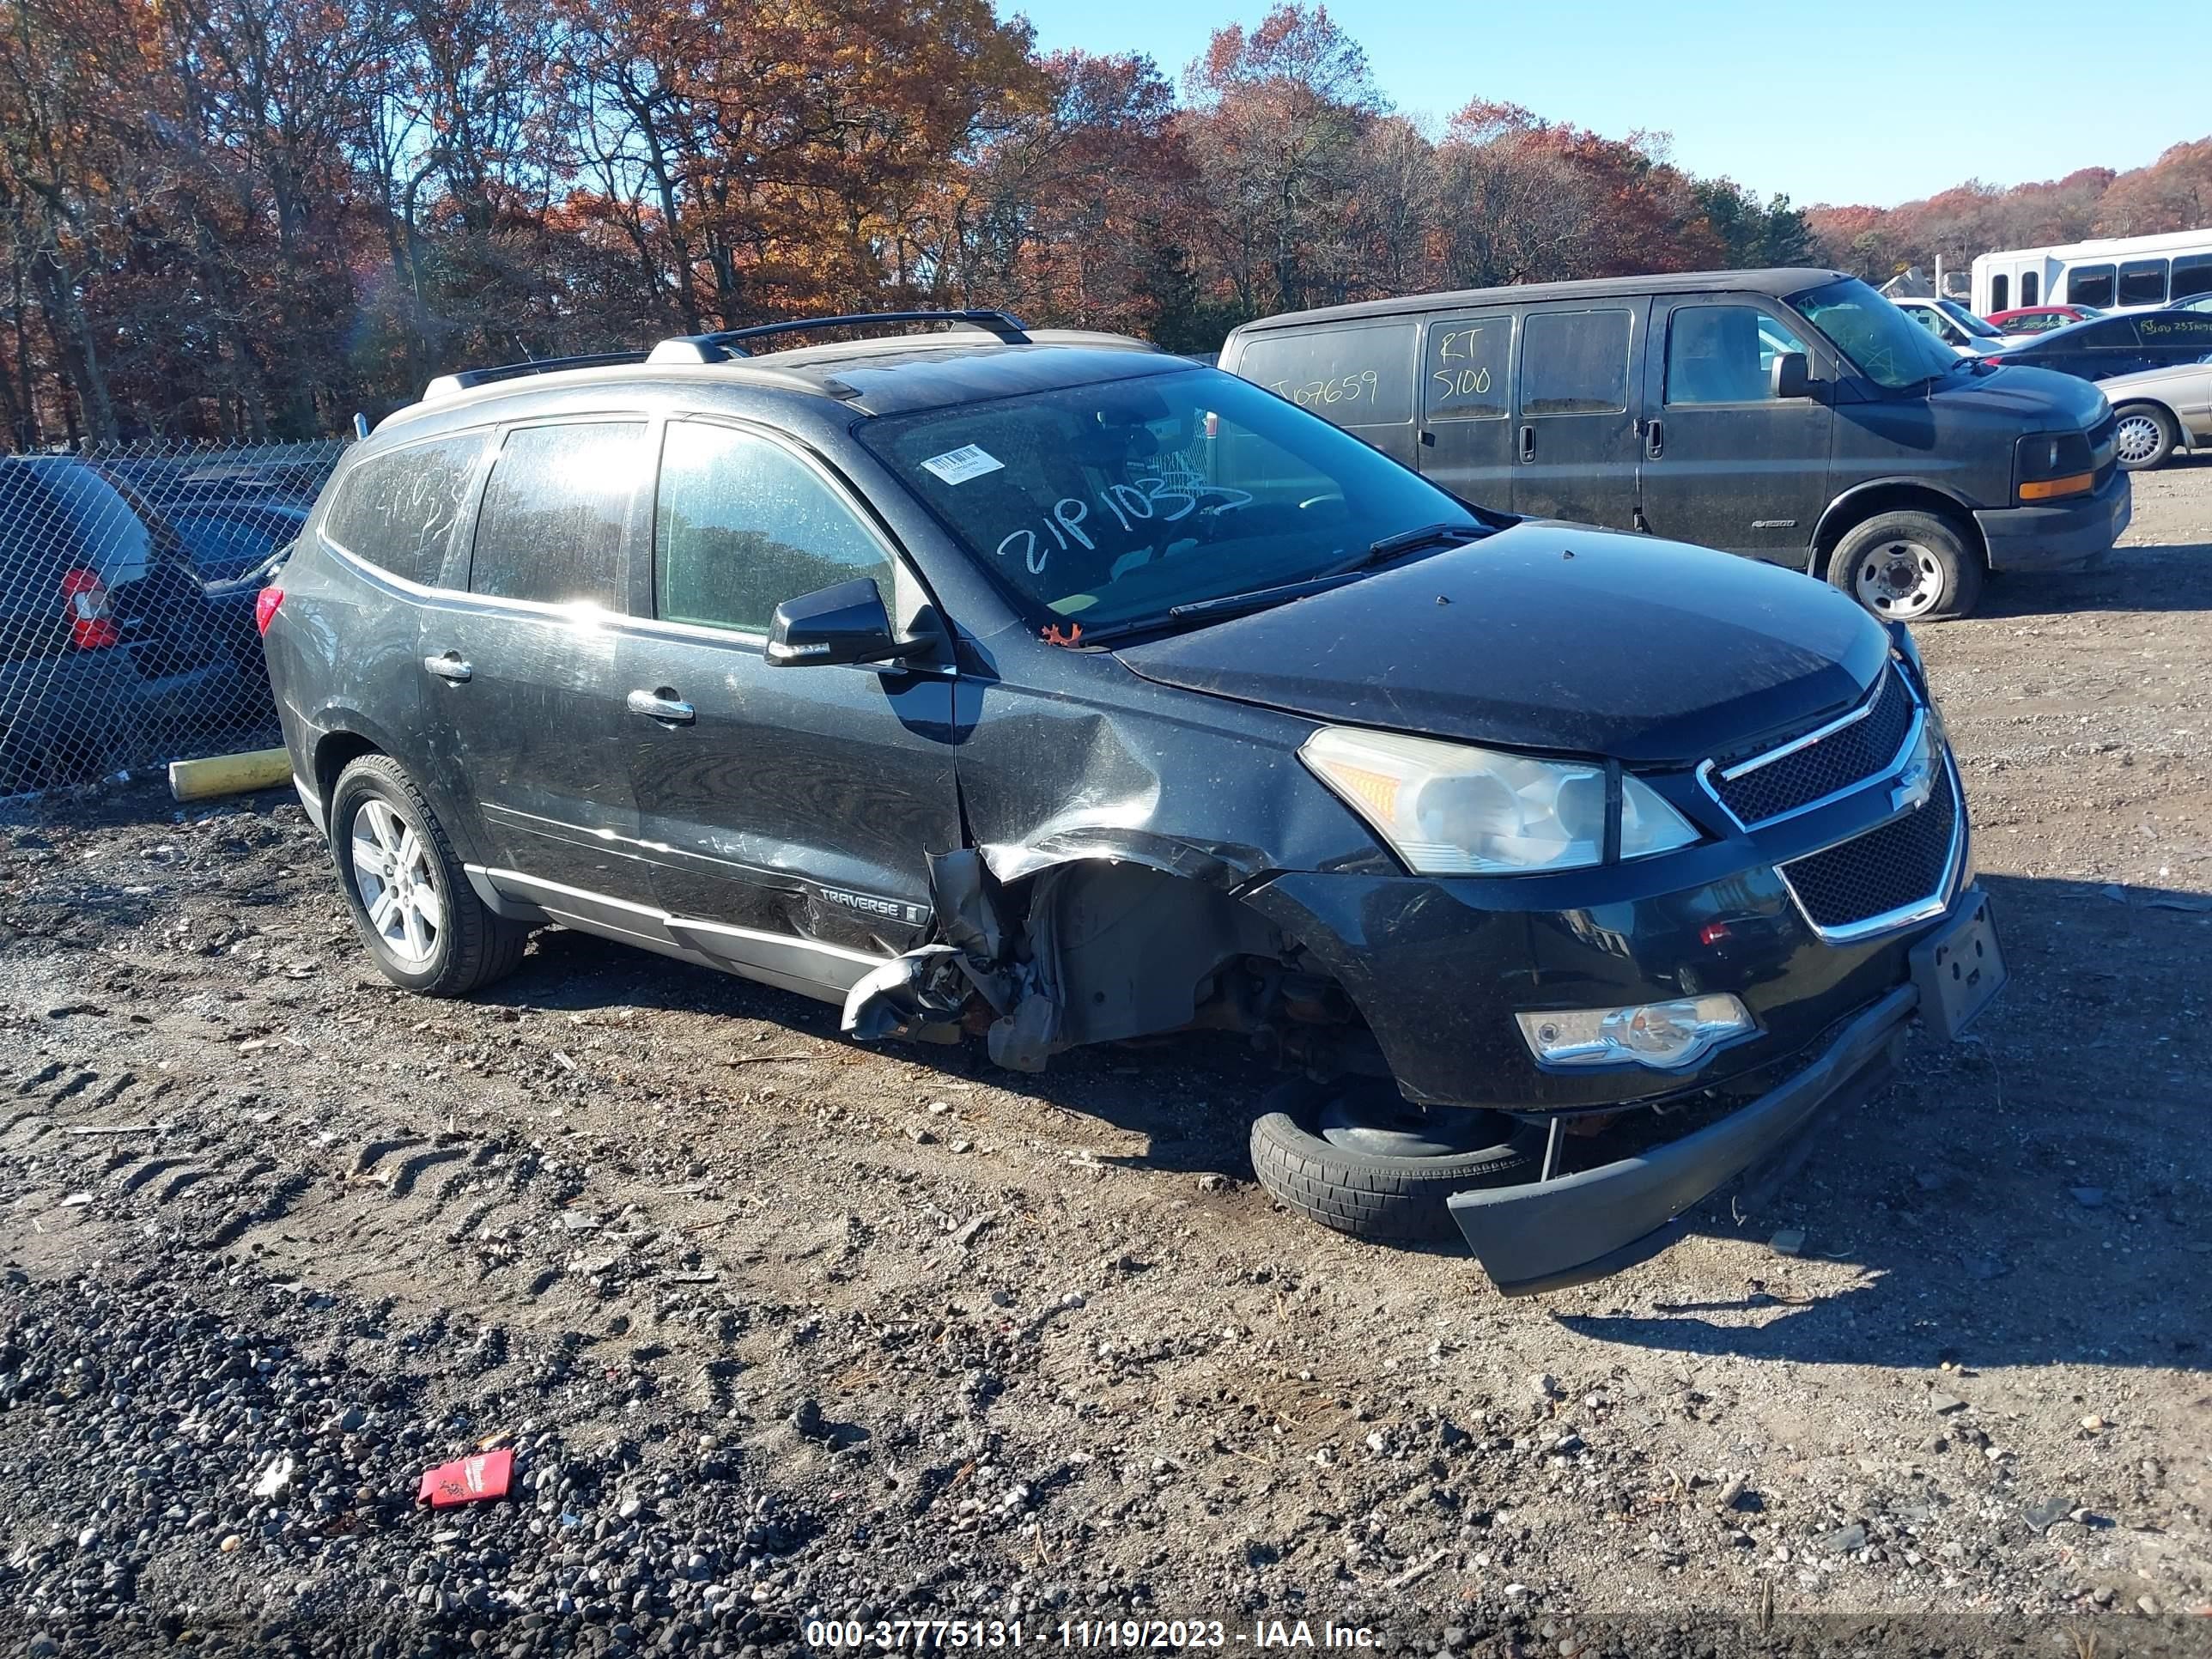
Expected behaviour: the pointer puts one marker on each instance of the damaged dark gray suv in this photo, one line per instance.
(1050, 688)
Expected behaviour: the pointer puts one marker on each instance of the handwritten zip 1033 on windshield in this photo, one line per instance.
(1160, 500)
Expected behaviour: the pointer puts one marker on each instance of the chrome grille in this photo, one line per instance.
(1841, 757)
(1880, 879)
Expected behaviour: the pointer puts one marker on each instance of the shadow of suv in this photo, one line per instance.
(1049, 688)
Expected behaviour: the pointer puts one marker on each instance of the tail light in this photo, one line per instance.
(1713, 933)
(264, 606)
(1992, 362)
(92, 623)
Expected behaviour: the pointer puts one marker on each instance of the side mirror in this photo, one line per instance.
(840, 624)
(1790, 375)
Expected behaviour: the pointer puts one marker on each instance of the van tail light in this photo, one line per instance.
(264, 607)
(91, 620)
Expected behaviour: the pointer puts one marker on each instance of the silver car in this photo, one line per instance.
(2160, 410)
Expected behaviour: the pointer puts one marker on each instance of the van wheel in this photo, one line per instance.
(1908, 566)
(411, 900)
(1352, 1154)
(2143, 438)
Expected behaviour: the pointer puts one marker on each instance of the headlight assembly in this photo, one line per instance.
(1450, 809)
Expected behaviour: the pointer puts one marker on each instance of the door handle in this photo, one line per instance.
(1527, 443)
(1653, 439)
(662, 705)
(449, 667)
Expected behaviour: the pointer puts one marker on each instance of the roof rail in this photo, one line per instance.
(447, 385)
(721, 347)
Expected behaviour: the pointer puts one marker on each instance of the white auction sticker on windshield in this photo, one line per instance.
(956, 466)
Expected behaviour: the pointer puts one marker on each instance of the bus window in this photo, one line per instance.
(2000, 288)
(2027, 284)
(2143, 282)
(2090, 285)
(2192, 276)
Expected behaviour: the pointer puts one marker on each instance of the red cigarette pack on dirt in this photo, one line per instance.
(466, 1480)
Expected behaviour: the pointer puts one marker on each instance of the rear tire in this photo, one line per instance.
(2144, 436)
(411, 899)
(1370, 1195)
(1909, 566)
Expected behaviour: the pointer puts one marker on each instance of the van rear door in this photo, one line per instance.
(1467, 406)
(1725, 462)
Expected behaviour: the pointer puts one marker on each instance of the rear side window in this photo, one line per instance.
(1465, 376)
(2089, 285)
(2192, 330)
(2028, 287)
(1574, 362)
(551, 528)
(1999, 287)
(2192, 276)
(740, 524)
(1360, 376)
(2113, 334)
(2143, 282)
(397, 510)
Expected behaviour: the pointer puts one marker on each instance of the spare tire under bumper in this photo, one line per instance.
(1547, 1235)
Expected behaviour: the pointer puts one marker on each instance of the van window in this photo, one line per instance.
(1723, 353)
(2028, 280)
(2143, 282)
(2000, 288)
(2089, 285)
(551, 527)
(2192, 276)
(1574, 362)
(1358, 376)
(740, 524)
(397, 510)
(1466, 368)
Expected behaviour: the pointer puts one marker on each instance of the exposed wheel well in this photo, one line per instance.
(1894, 498)
(334, 754)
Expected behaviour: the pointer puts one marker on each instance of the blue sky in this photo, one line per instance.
(1835, 101)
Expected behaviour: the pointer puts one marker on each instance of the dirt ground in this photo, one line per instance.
(782, 1330)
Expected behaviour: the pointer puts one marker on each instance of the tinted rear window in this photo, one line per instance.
(2192, 276)
(2112, 334)
(1465, 376)
(1574, 362)
(397, 510)
(551, 528)
(1361, 376)
(2187, 329)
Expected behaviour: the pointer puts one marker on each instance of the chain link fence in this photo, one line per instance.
(127, 575)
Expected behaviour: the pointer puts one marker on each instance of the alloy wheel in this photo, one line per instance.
(1899, 579)
(2137, 439)
(391, 867)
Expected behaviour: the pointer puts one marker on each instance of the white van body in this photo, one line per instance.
(2113, 273)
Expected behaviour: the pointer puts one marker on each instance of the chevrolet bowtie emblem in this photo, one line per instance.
(1913, 786)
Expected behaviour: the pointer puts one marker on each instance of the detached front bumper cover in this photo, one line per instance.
(1548, 1235)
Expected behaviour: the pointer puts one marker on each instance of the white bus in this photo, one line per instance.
(2114, 273)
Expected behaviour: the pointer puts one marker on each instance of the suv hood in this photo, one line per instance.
(1550, 636)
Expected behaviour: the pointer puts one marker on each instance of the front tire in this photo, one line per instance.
(2143, 436)
(1909, 566)
(1353, 1156)
(411, 899)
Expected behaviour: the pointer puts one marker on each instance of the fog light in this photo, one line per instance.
(1664, 1036)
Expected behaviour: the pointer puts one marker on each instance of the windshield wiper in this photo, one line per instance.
(1412, 541)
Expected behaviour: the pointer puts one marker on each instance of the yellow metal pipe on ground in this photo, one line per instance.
(229, 775)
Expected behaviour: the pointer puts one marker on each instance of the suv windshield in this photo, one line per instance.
(1889, 347)
(1114, 503)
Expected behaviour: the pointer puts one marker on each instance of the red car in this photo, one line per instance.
(2040, 319)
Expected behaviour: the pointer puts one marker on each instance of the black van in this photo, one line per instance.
(1792, 415)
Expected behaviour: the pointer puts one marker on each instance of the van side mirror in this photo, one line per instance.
(1790, 375)
(845, 624)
